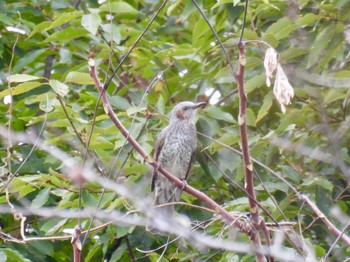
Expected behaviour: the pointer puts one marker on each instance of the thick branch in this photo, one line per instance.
(177, 182)
(248, 167)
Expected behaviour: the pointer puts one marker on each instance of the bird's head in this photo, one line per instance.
(185, 111)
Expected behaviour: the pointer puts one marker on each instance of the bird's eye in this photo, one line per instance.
(185, 108)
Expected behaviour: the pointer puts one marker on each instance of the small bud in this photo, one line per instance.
(250, 167)
(240, 120)
(242, 60)
(105, 107)
(91, 62)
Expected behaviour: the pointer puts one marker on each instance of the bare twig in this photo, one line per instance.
(136, 42)
(331, 228)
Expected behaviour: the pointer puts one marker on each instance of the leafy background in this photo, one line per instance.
(183, 59)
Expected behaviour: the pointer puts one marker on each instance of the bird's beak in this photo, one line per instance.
(201, 105)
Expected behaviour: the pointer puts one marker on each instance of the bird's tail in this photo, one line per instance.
(165, 192)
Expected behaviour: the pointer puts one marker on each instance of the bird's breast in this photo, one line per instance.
(177, 150)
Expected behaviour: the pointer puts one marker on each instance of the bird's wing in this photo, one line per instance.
(190, 163)
(193, 153)
(157, 149)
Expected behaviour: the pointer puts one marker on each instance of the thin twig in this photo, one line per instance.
(331, 228)
(244, 21)
(131, 253)
(233, 71)
(336, 240)
(134, 45)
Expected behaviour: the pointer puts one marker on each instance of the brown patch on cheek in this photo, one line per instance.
(180, 114)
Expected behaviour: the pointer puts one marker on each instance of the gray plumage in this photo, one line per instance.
(174, 151)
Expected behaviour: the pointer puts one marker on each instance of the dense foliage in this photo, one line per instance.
(45, 46)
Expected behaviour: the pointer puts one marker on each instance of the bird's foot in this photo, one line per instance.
(184, 184)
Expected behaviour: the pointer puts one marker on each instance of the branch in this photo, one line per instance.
(247, 229)
(248, 167)
(76, 244)
(136, 42)
(247, 164)
(335, 231)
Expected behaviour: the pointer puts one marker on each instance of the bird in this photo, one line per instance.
(174, 151)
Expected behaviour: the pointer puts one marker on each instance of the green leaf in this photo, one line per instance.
(66, 35)
(271, 39)
(123, 231)
(224, 72)
(89, 199)
(217, 113)
(265, 107)
(79, 78)
(255, 82)
(312, 181)
(199, 30)
(282, 28)
(135, 109)
(54, 228)
(91, 22)
(320, 44)
(28, 58)
(334, 95)
(42, 27)
(251, 120)
(222, 2)
(43, 247)
(118, 8)
(41, 198)
(320, 251)
(19, 78)
(60, 88)
(307, 19)
(47, 105)
(21, 88)
(273, 187)
(225, 139)
(64, 18)
(135, 169)
(173, 7)
(292, 52)
(112, 31)
(13, 255)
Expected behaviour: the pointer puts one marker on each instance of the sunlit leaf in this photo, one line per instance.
(66, 35)
(41, 198)
(218, 114)
(21, 78)
(64, 18)
(60, 88)
(79, 78)
(91, 22)
(21, 88)
(118, 8)
(12, 255)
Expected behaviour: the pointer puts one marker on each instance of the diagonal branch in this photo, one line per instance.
(247, 229)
